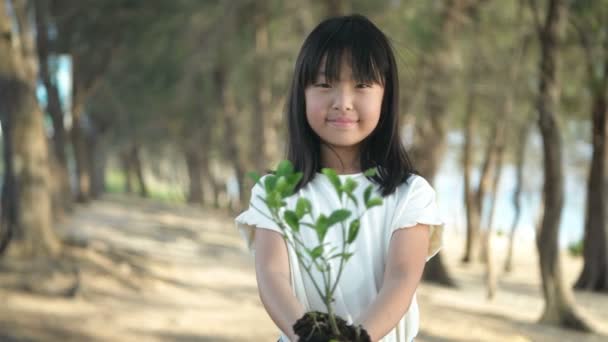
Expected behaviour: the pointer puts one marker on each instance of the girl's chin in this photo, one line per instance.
(341, 143)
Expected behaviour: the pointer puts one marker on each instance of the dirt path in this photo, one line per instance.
(158, 272)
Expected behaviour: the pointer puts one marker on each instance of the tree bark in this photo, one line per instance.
(125, 162)
(594, 276)
(559, 304)
(97, 159)
(29, 145)
(472, 206)
(138, 168)
(491, 280)
(490, 157)
(194, 166)
(83, 178)
(232, 149)
(8, 211)
(62, 193)
(516, 199)
(430, 138)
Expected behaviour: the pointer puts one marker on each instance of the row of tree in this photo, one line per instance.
(207, 81)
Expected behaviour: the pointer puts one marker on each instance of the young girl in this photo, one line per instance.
(342, 114)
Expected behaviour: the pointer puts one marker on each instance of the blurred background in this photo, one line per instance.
(127, 128)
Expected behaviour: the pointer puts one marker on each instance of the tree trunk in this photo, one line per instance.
(594, 276)
(516, 199)
(29, 145)
(62, 193)
(471, 205)
(491, 280)
(490, 157)
(194, 166)
(232, 149)
(217, 190)
(430, 139)
(8, 210)
(83, 179)
(559, 304)
(138, 168)
(125, 162)
(97, 158)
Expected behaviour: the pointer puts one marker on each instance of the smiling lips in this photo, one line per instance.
(342, 122)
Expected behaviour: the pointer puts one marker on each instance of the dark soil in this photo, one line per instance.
(314, 327)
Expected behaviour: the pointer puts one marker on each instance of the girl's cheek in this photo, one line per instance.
(315, 106)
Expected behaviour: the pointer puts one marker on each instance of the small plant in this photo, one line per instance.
(291, 221)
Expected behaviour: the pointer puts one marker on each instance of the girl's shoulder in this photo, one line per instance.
(414, 186)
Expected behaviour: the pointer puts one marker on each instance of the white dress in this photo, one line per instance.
(412, 202)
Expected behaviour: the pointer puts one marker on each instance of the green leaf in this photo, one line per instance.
(302, 207)
(269, 183)
(316, 252)
(348, 256)
(281, 186)
(274, 200)
(338, 216)
(285, 168)
(292, 220)
(310, 225)
(373, 202)
(254, 176)
(293, 181)
(370, 172)
(368, 193)
(333, 179)
(321, 227)
(354, 199)
(353, 230)
(349, 186)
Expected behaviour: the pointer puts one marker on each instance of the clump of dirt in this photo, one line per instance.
(314, 327)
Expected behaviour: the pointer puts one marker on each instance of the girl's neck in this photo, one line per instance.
(345, 160)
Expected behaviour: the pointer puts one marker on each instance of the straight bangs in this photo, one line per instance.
(345, 41)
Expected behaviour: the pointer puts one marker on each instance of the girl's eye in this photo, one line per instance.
(364, 85)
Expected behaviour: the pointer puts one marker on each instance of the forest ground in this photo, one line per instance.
(155, 271)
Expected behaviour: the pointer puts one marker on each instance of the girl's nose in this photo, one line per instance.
(343, 100)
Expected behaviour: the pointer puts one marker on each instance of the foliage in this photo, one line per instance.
(291, 220)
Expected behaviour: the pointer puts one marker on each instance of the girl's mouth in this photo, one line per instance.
(342, 123)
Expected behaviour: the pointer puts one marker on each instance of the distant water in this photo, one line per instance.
(449, 186)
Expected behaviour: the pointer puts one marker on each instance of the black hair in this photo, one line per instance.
(372, 60)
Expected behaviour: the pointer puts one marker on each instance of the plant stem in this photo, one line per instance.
(330, 310)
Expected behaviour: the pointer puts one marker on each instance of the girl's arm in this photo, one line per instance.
(405, 263)
(274, 284)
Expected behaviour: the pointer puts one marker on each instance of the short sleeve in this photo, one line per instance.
(417, 204)
(247, 221)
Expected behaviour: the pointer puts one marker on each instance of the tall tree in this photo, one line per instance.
(591, 26)
(559, 304)
(62, 198)
(29, 154)
(430, 139)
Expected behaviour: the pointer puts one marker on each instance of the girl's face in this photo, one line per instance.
(344, 112)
